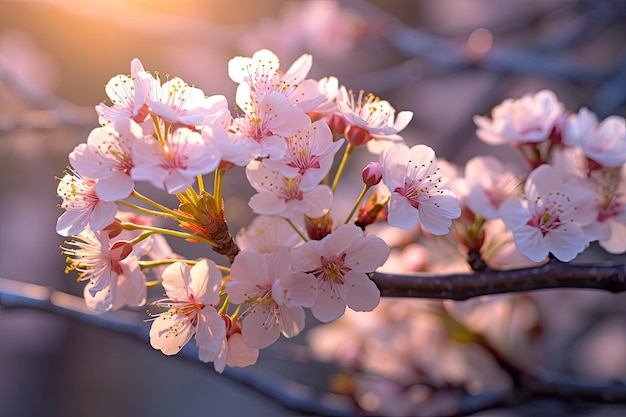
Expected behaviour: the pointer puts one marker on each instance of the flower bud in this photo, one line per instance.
(357, 136)
(120, 250)
(372, 174)
(337, 124)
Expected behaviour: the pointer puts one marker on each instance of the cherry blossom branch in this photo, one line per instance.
(15, 295)
(554, 274)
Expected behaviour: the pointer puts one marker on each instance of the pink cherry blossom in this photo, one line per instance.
(610, 226)
(552, 217)
(267, 233)
(95, 258)
(260, 74)
(83, 208)
(128, 95)
(603, 142)
(310, 154)
(127, 288)
(417, 189)
(274, 293)
(371, 121)
(191, 294)
(338, 266)
(529, 119)
(177, 102)
(174, 165)
(107, 158)
(489, 184)
(267, 125)
(235, 150)
(281, 196)
(235, 351)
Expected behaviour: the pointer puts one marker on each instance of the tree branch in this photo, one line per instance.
(554, 274)
(304, 399)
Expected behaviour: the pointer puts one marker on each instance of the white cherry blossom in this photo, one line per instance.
(417, 189)
(191, 294)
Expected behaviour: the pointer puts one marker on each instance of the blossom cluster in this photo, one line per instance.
(299, 253)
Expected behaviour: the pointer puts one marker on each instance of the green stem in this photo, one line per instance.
(157, 205)
(358, 202)
(200, 184)
(160, 262)
(224, 308)
(183, 235)
(217, 188)
(147, 211)
(294, 227)
(157, 129)
(342, 165)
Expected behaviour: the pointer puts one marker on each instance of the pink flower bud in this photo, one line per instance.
(357, 136)
(120, 250)
(372, 174)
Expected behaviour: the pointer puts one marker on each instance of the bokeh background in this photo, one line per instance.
(445, 60)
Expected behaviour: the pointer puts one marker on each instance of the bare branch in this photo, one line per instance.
(553, 274)
(295, 396)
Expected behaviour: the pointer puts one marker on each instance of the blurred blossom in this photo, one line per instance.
(323, 28)
(33, 65)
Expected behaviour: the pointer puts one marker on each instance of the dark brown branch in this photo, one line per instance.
(18, 295)
(553, 274)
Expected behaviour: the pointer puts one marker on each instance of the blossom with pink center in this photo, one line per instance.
(610, 226)
(107, 158)
(489, 184)
(95, 258)
(278, 195)
(274, 293)
(174, 164)
(191, 295)
(552, 217)
(337, 267)
(127, 288)
(371, 121)
(266, 127)
(260, 74)
(235, 351)
(603, 142)
(529, 119)
(83, 208)
(177, 102)
(418, 192)
(128, 95)
(310, 155)
(234, 150)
